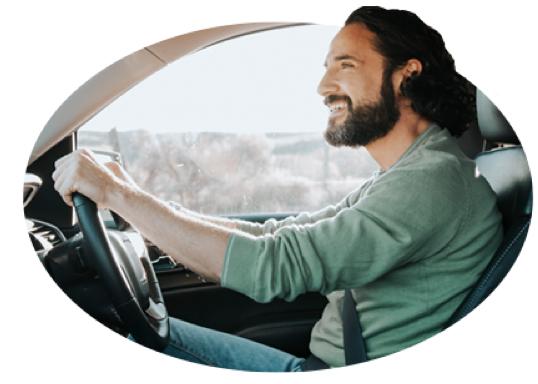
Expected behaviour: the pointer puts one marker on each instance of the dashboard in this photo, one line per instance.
(44, 236)
(62, 255)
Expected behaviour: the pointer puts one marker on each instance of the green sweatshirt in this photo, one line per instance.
(410, 242)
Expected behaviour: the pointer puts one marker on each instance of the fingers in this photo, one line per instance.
(79, 171)
(62, 160)
(58, 171)
(120, 172)
(67, 193)
(64, 175)
(79, 152)
(62, 180)
(116, 169)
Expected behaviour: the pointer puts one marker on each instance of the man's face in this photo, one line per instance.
(361, 101)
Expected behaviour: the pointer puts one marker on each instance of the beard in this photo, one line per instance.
(365, 123)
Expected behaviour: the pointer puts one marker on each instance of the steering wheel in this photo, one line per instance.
(128, 277)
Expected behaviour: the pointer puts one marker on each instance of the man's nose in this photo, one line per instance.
(327, 85)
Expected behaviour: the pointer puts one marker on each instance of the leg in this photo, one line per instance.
(206, 346)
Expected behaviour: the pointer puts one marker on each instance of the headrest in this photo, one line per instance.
(491, 122)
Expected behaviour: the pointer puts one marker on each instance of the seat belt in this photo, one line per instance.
(354, 347)
(313, 363)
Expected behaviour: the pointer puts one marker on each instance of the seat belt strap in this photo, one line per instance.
(313, 363)
(354, 347)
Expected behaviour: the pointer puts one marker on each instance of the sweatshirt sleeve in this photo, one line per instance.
(386, 228)
(272, 225)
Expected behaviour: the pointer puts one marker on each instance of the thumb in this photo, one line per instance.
(119, 172)
(115, 168)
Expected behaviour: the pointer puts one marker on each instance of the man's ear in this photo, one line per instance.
(413, 67)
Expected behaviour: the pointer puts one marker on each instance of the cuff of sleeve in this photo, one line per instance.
(240, 264)
(248, 227)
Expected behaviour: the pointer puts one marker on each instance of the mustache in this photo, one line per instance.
(334, 98)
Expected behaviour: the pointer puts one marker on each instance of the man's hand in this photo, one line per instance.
(79, 171)
(120, 173)
(198, 244)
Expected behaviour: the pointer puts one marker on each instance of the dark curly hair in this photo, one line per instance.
(438, 93)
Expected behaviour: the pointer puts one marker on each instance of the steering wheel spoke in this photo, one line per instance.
(121, 261)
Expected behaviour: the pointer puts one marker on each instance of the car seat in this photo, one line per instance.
(507, 171)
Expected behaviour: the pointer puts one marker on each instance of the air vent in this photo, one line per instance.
(44, 235)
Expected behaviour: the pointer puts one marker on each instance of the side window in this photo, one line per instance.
(234, 128)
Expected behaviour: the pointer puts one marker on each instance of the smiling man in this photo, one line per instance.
(409, 243)
(359, 93)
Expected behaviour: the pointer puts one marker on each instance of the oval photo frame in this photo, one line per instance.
(514, 194)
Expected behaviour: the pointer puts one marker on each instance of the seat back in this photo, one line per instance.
(507, 171)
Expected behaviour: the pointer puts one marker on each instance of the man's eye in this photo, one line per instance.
(346, 65)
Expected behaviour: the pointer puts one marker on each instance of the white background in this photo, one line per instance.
(49, 48)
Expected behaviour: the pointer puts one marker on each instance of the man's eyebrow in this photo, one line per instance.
(343, 57)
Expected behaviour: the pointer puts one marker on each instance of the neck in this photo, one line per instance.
(387, 150)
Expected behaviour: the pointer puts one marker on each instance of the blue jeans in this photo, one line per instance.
(209, 347)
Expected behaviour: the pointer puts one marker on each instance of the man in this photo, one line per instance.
(409, 242)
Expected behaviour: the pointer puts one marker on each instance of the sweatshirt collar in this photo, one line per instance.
(422, 138)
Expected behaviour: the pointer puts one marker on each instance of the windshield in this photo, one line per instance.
(234, 128)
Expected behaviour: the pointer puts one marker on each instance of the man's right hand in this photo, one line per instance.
(120, 173)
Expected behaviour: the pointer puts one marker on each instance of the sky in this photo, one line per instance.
(261, 82)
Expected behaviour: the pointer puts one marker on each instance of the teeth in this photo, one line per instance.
(336, 107)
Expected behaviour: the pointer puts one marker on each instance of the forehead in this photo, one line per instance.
(353, 40)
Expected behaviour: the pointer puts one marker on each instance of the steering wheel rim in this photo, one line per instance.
(139, 302)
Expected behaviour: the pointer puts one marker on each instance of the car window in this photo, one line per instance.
(234, 128)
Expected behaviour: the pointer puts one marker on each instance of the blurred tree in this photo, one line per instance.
(221, 173)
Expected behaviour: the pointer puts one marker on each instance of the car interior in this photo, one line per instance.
(132, 287)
